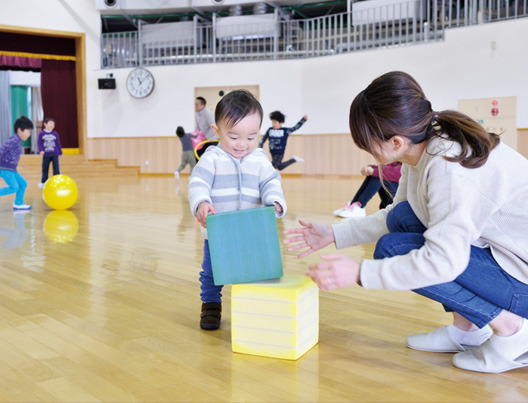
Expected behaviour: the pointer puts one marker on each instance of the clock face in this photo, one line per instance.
(140, 82)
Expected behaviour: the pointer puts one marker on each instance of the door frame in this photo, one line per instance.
(80, 71)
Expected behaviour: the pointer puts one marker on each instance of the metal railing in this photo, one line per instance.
(367, 25)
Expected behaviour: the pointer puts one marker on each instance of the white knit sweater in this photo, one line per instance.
(460, 207)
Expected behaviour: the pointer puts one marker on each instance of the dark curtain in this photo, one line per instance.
(59, 99)
(48, 45)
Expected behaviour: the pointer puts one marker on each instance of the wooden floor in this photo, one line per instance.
(101, 303)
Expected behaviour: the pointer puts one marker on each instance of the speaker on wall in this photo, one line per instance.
(107, 83)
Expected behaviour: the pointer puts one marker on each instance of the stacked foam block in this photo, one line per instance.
(271, 315)
(275, 318)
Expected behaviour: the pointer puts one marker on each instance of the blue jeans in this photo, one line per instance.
(372, 185)
(210, 291)
(479, 294)
(15, 184)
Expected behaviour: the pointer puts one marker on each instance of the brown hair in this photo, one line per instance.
(235, 106)
(394, 105)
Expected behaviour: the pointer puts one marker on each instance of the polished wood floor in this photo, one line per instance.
(101, 303)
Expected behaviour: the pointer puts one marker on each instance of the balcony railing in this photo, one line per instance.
(366, 25)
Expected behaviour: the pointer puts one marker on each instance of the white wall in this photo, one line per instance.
(29, 78)
(466, 65)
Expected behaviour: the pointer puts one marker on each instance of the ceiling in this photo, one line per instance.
(123, 15)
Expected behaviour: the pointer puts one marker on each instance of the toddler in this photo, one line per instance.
(235, 175)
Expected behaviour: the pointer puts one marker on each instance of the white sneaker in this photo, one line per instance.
(298, 159)
(353, 211)
(21, 207)
(338, 211)
(441, 340)
(41, 185)
(176, 174)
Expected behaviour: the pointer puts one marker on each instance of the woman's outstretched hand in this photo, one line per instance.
(335, 271)
(314, 236)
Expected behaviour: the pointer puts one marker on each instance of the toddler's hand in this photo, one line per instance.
(278, 208)
(202, 211)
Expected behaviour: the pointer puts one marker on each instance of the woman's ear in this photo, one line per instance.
(397, 143)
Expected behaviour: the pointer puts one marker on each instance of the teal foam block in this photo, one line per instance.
(244, 246)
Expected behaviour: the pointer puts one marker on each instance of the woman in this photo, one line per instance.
(457, 231)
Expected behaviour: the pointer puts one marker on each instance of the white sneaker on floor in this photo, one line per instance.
(353, 211)
(298, 159)
(176, 174)
(336, 212)
(41, 185)
(441, 340)
(21, 207)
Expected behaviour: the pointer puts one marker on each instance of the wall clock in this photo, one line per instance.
(140, 82)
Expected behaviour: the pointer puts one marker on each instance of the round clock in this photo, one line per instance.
(140, 82)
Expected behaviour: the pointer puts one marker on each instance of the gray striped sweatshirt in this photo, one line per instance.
(229, 184)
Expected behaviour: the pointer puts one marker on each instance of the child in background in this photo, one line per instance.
(278, 136)
(9, 157)
(370, 186)
(248, 180)
(187, 156)
(50, 148)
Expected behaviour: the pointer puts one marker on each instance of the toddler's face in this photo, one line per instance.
(50, 125)
(240, 139)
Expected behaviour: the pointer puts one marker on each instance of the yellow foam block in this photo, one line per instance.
(275, 318)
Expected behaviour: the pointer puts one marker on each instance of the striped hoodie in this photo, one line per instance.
(229, 184)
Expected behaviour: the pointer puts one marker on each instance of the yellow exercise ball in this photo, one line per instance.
(61, 226)
(60, 192)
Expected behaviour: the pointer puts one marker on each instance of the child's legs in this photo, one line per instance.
(56, 167)
(276, 161)
(191, 159)
(387, 197)
(45, 168)
(183, 162)
(210, 291)
(11, 182)
(22, 185)
(368, 188)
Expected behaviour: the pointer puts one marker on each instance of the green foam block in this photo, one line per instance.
(244, 246)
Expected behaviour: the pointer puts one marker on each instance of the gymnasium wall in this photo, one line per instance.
(481, 61)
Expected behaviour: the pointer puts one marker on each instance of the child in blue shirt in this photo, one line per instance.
(10, 153)
(50, 148)
(278, 136)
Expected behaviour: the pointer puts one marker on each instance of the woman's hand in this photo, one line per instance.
(202, 211)
(314, 236)
(335, 271)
